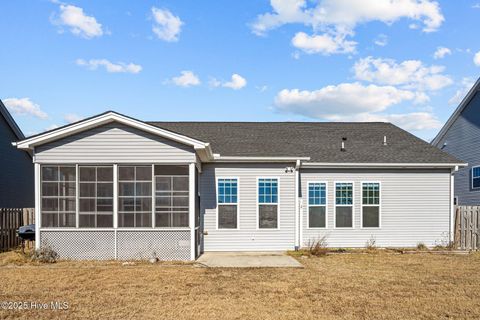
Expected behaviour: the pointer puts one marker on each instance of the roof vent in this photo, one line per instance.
(343, 146)
(384, 140)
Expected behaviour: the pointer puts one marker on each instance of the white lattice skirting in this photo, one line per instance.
(128, 245)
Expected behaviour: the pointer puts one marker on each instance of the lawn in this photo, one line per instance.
(342, 286)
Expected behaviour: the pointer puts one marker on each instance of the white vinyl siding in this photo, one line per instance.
(114, 143)
(248, 237)
(415, 207)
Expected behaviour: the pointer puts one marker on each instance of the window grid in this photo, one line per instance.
(267, 191)
(371, 193)
(317, 194)
(97, 199)
(227, 191)
(56, 207)
(476, 177)
(141, 218)
(173, 197)
(344, 194)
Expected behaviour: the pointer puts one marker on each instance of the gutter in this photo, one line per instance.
(381, 165)
(226, 159)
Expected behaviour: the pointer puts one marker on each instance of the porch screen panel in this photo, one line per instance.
(135, 196)
(58, 184)
(171, 201)
(96, 197)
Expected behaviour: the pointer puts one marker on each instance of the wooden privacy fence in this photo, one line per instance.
(10, 220)
(467, 227)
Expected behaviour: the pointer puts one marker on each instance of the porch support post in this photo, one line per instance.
(191, 208)
(37, 206)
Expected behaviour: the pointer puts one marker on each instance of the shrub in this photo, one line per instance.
(45, 255)
(371, 243)
(421, 246)
(318, 247)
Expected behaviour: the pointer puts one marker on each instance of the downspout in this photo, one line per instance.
(452, 205)
(297, 209)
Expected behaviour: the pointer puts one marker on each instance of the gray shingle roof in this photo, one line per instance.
(321, 141)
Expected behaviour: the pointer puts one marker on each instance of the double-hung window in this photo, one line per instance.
(227, 203)
(476, 177)
(135, 196)
(370, 205)
(267, 203)
(96, 197)
(344, 205)
(317, 204)
(58, 196)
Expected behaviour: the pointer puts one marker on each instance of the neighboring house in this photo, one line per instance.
(16, 166)
(115, 187)
(460, 137)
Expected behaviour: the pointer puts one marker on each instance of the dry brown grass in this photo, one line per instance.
(352, 286)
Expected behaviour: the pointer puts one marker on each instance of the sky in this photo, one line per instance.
(409, 62)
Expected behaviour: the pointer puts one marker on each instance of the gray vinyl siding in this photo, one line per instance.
(248, 237)
(114, 143)
(463, 141)
(415, 207)
(16, 172)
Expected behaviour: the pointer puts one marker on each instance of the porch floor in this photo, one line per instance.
(248, 260)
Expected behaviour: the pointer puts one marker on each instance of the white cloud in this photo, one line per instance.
(476, 6)
(465, 86)
(344, 99)
(441, 52)
(325, 44)
(167, 26)
(24, 106)
(79, 23)
(409, 73)
(72, 117)
(476, 58)
(381, 40)
(186, 79)
(118, 67)
(51, 127)
(338, 19)
(236, 82)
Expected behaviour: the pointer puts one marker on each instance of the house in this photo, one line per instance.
(16, 167)
(113, 187)
(460, 137)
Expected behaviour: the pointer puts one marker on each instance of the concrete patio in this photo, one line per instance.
(248, 260)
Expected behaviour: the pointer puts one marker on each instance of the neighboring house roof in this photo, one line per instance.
(321, 141)
(463, 104)
(316, 142)
(11, 122)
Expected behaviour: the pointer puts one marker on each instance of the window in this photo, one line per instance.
(317, 200)
(135, 196)
(370, 205)
(343, 205)
(58, 185)
(268, 203)
(227, 204)
(476, 177)
(96, 197)
(171, 201)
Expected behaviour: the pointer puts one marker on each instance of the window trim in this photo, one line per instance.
(379, 205)
(217, 204)
(257, 189)
(474, 188)
(324, 205)
(343, 205)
